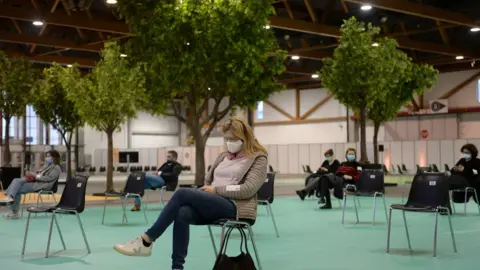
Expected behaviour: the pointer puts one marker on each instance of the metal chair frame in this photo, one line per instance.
(356, 195)
(270, 213)
(466, 190)
(123, 200)
(39, 198)
(234, 224)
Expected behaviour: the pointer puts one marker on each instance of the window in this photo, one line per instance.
(32, 126)
(478, 90)
(55, 138)
(260, 110)
(12, 127)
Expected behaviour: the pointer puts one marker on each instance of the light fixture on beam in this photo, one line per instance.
(69, 65)
(375, 44)
(366, 7)
(111, 2)
(475, 29)
(123, 55)
(295, 57)
(314, 76)
(37, 23)
(460, 57)
(267, 26)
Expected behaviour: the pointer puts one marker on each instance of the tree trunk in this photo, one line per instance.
(109, 187)
(68, 145)
(6, 146)
(199, 156)
(375, 142)
(363, 135)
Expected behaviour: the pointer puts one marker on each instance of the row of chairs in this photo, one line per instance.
(124, 169)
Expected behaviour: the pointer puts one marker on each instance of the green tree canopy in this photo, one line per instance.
(108, 96)
(196, 52)
(52, 105)
(363, 65)
(16, 81)
(416, 79)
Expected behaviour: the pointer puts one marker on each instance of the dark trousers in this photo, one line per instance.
(328, 182)
(459, 182)
(189, 206)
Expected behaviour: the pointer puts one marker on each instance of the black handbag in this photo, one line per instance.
(241, 262)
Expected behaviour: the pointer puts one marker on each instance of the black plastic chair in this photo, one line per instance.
(92, 169)
(429, 194)
(399, 170)
(241, 224)
(404, 168)
(434, 168)
(309, 170)
(42, 192)
(304, 169)
(266, 195)
(134, 188)
(154, 168)
(72, 202)
(146, 169)
(370, 184)
(103, 169)
(270, 168)
(466, 191)
(447, 169)
(421, 170)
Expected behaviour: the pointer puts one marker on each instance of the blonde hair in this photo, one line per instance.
(240, 128)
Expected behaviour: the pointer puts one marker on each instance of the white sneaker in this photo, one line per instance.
(11, 215)
(134, 247)
(6, 201)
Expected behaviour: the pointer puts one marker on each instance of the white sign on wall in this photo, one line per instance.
(439, 106)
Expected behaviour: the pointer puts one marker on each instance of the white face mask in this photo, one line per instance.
(234, 147)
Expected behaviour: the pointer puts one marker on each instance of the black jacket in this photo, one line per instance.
(469, 166)
(170, 171)
(332, 168)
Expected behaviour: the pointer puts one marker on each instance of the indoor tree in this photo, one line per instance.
(52, 105)
(203, 58)
(16, 81)
(415, 80)
(363, 65)
(108, 96)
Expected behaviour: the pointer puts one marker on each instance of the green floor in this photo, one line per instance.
(309, 239)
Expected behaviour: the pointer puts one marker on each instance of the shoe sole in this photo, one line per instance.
(123, 252)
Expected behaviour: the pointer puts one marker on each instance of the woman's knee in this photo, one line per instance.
(185, 214)
(183, 193)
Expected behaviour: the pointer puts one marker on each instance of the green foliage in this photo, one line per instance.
(359, 72)
(51, 101)
(197, 50)
(416, 79)
(110, 94)
(16, 80)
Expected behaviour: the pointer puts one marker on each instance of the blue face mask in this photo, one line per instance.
(328, 158)
(48, 160)
(350, 157)
(169, 159)
(467, 156)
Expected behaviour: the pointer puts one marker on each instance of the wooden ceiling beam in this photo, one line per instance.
(60, 18)
(297, 79)
(419, 10)
(82, 62)
(299, 71)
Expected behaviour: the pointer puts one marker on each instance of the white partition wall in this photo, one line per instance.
(447, 153)
(282, 159)
(316, 156)
(293, 159)
(273, 156)
(304, 157)
(420, 153)
(434, 153)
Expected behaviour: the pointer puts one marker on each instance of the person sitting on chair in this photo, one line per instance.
(44, 179)
(330, 165)
(169, 171)
(348, 172)
(467, 168)
(229, 193)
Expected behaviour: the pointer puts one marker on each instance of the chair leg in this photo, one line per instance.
(124, 207)
(23, 203)
(476, 199)
(389, 230)
(343, 207)
(83, 232)
(374, 207)
(104, 209)
(26, 233)
(144, 209)
(465, 201)
(358, 201)
(59, 232)
(451, 231)
(162, 190)
(356, 209)
(50, 235)
(435, 235)
(254, 247)
(269, 206)
(213, 240)
(406, 230)
(452, 203)
(385, 206)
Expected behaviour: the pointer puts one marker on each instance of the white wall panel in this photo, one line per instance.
(98, 140)
(402, 129)
(153, 141)
(309, 98)
(447, 153)
(282, 159)
(434, 153)
(413, 128)
(396, 153)
(316, 155)
(293, 159)
(304, 156)
(147, 123)
(161, 156)
(420, 155)
(273, 156)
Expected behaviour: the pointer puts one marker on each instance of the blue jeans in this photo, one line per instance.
(151, 181)
(189, 206)
(18, 187)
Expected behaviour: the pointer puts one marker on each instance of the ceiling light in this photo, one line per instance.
(69, 65)
(460, 57)
(295, 57)
(475, 29)
(315, 76)
(267, 26)
(123, 55)
(375, 44)
(188, 43)
(366, 7)
(37, 23)
(209, 88)
(111, 2)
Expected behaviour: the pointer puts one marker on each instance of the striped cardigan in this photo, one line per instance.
(250, 179)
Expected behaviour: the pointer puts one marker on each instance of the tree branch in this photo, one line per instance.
(214, 113)
(176, 113)
(219, 117)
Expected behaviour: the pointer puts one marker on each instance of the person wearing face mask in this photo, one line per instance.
(230, 192)
(466, 170)
(44, 179)
(168, 172)
(329, 165)
(347, 173)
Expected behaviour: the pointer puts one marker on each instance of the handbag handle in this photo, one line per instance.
(243, 243)
(223, 247)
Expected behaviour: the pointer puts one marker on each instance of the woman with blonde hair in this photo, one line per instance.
(229, 192)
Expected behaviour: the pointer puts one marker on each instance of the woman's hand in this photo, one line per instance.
(324, 169)
(208, 189)
(348, 177)
(459, 168)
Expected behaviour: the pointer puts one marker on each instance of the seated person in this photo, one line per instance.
(230, 192)
(169, 171)
(467, 168)
(330, 165)
(348, 172)
(44, 179)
